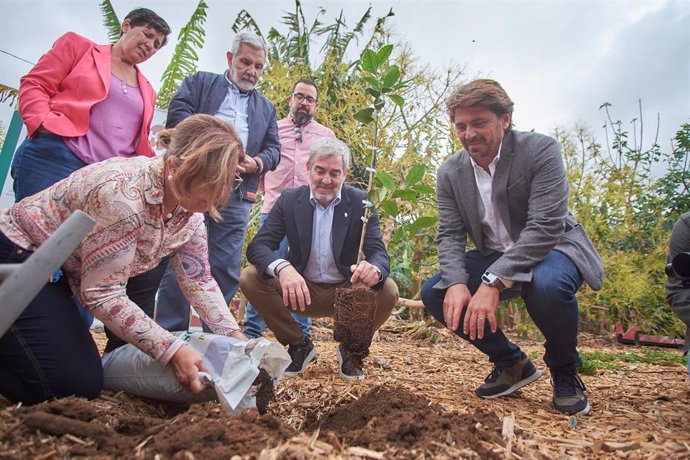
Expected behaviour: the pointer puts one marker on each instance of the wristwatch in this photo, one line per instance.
(493, 280)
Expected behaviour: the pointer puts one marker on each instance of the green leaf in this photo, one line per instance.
(386, 180)
(383, 193)
(397, 100)
(379, 103)
(384, 53)
(364, 116)
(415, 175)
(110, 21)
(424, 222)
(390, 76)
(372, 81)
(374, 92)
(390, 207)
(407, 195)
(424, 189)
(398, 234)
(370, 61)
(185, 58)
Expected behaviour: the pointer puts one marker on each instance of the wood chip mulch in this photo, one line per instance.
(640, 411)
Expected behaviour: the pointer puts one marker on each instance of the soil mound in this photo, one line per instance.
(395, 420)
(123, 427)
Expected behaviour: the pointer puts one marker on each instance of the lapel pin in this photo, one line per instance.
(345, 214)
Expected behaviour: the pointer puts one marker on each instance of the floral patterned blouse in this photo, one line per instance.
(125, 197)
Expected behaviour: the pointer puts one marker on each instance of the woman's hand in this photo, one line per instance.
(186, 364)
(239, 335)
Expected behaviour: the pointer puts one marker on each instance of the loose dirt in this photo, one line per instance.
(417, 401)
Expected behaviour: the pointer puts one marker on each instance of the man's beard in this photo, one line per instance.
(242, 85)
(301, 118)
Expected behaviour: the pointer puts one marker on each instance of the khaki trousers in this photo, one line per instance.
(266, 296)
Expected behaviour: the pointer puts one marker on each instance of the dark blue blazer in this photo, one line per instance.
(204, 92)
(293, 216)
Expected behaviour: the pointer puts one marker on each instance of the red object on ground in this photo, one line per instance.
(635, 336)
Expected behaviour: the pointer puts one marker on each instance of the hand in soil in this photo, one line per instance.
(186, 364)
(365, 273)
(295, 291)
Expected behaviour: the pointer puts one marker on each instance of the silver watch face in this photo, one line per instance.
(489, 278)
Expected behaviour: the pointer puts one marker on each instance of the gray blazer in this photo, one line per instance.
(531, 195)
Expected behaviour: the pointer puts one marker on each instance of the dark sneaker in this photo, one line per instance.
(301, 354)
(502, 382)
(351, 366)
(569, 392)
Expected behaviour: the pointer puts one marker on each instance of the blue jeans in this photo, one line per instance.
(41, 162)
(551, 303)
(225, 242)
(254, 324)
(48, 352)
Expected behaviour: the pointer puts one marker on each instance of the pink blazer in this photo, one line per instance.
(67, 81)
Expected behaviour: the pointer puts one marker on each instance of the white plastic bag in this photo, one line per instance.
(233, 366)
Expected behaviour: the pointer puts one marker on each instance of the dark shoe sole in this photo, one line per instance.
(526, 381)
(344, 376)
(583, 411)
(310, 357)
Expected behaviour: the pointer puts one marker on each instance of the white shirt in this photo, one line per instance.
(496, 236)
(321, 267)
(233, 111)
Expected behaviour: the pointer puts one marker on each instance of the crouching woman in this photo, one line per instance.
(146, 209)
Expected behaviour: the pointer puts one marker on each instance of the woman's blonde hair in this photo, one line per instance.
(203, 149)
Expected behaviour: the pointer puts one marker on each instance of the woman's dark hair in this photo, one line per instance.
(147, 18)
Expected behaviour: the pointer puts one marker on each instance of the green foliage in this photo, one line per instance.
(627, 213)
(8, 95)
(185, 58)
(110, 21)
(592, 361)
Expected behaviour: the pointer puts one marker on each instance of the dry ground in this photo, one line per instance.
(417, 402)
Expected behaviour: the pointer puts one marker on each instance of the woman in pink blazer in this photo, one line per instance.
(83, 103)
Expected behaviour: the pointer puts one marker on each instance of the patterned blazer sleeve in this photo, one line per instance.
(107, 253)
(193, 271)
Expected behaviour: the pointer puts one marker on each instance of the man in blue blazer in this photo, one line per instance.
(232, 97)
(323, 224)
(508, 192)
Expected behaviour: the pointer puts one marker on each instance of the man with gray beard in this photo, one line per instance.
(233, 98)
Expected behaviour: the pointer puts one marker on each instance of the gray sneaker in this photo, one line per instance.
(502, 382)
(569, 392)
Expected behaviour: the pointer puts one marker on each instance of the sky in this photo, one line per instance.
(559, 60)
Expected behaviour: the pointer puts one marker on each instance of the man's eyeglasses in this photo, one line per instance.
(301, 98)
(237, 182)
